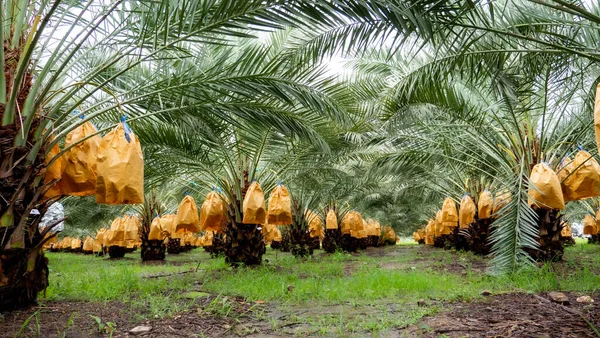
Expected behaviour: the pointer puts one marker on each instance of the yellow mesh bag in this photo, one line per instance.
(589, 225)
(315, 225)
(566, 231)
(352, 221)
(466, 213)
(485, 205)
(53, 172)
(254, 209)
(545, 190)
(88, 244)
(449, 214)
(120, 168)
(280, 206)
(331, 222)
(583, 180)
(213, 213)
(187, 219)
(80, 165)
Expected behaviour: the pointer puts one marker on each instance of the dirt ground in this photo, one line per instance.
(502, 315)
(54, 318)
(512, 315)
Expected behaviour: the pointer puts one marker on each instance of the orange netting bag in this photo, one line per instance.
(187, 219)
(280, 206)
(466, 213)
(544, 190)
(254, 209)
(80, 161)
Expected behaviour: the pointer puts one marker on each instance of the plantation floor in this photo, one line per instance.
(399, 291)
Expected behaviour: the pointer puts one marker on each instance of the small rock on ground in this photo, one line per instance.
(140, 329)
(585, 299)
(558, 297)
(486, 293)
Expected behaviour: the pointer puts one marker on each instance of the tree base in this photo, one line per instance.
(116, 252)
(153, 250)
(315, 243)
(276, 245)
(244, 245)
(445, 242)
(19, 288)
(478, 235)
(373, 241)
(331, 240)
(569, 241)
(301, 251)
(349, 243)
(174, 246)
(551, 247)
(218, 246)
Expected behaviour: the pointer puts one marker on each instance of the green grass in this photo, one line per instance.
(362, 293)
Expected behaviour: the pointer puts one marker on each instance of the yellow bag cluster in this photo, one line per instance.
(352, 222)
(132, 231)
(112, 167)
(449, 214)
(501, 199)
(268, 231)
(53, 172)
(430, 232)
(566, 231)
(388, 234)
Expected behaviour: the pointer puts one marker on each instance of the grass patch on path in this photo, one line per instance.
(372, 291)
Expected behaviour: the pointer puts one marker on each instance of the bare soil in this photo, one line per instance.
(53, 319)
(512, 315)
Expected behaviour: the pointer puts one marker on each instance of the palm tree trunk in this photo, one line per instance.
(300, 241)
(244, 244)
(479, 232)
(153, 250)
(551, 242)
(331, 240)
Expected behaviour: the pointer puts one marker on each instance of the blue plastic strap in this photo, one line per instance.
(76, 112)
(126, 128)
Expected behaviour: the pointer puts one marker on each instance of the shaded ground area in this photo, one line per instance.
(400, 291)
(512, 315)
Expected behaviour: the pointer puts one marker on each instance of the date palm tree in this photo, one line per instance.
(105, 59)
